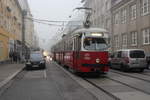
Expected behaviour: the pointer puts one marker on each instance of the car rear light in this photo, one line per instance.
(126, 59)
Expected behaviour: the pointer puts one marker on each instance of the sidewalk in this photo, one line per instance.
(9, 71)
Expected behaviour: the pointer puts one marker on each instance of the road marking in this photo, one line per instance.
(45, 75)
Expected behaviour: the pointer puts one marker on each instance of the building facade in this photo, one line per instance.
(29, 24)
(101, 16)
(10, 28)
(131, 24)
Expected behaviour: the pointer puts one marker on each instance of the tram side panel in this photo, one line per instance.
(91, 61)
(68, 58)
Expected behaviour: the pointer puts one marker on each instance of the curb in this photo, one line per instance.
(4, 82)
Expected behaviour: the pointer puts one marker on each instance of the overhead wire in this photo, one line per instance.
(41, 21)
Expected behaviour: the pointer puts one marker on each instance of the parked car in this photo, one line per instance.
(36, 60)
(127, 59)
(148, 61)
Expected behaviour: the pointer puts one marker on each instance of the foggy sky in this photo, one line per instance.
(51, 10)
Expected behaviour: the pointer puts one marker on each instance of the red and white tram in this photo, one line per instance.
(84, 50)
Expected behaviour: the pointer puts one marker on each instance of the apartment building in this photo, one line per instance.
(131, 24)
(29, 24)
(101, 16)
(10, 28)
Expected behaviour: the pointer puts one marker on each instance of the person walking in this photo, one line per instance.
(15, 56)
(18, 57)
(11, 56)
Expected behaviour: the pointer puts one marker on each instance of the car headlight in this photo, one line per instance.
(42, 62)
(28, 62)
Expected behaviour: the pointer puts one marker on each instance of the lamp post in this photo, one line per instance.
(24, 13)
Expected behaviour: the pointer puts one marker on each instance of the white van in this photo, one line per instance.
(126, 59)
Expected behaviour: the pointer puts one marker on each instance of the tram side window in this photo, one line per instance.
(77, 43)
(70, 44)
(67, 45)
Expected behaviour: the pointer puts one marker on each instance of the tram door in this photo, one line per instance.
(76, 49)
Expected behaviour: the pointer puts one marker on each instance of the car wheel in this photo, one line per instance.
(28, 67)
(124, 68)
(141, 70)
(148, 66)
(44, 66)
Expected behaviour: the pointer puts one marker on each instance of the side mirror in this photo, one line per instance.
(112, 56)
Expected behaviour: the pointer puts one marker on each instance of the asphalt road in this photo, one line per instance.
(49, 84)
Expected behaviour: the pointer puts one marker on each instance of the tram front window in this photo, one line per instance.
(91, 43)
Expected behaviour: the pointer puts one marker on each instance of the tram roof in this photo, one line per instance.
(90, 30)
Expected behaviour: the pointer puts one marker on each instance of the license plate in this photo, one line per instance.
(35, 66)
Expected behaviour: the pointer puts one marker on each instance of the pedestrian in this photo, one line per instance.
(18, 57)
(15, 56)
(11, 56)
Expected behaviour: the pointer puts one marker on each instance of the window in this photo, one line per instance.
(146, 36)
(116, 41)
(144, 7)
(92, 43)
(123, 16)
(116, 18)
(119, 54)
(133, 12)
(124, 40)
(133, 38)
(137, 54)
(1, 50)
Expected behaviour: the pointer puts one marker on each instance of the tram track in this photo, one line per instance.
(86, 84)
(140, 87)
(141, 76)
(112, 94)
(105, 91)
(141, 90)
(146, 73)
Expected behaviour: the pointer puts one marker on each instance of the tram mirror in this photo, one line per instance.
(112, 55)
(80, 35)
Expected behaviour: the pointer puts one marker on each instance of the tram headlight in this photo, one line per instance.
(97, 34)
(97, 60)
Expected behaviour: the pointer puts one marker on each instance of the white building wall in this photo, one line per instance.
(101, 16)
(29, 25)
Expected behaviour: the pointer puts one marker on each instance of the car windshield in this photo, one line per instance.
(137, 54)
(91, 43)
(36, 56)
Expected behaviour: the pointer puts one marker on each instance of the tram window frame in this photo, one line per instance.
(70, 44)
(77, 43)
(73, 44)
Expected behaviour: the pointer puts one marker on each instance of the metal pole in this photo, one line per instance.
(24, 13)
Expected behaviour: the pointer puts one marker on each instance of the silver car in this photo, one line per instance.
(129, 59)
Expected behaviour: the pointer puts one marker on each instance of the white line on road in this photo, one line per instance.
(45, 75)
